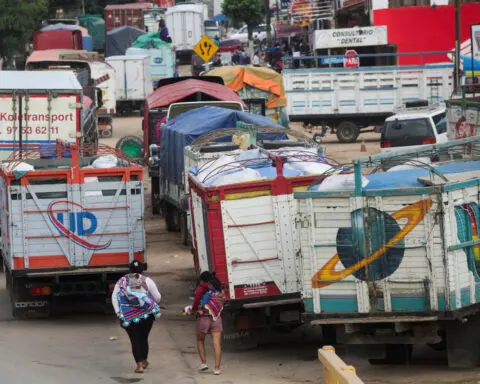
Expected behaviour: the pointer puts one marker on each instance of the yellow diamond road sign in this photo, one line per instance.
(206, 48)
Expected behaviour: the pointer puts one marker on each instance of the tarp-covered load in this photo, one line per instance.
(151, 40)
(96, 29)
(183, 130)
(256, 83)
(118, 40)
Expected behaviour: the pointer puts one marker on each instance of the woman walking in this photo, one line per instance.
(208, 306)
(135, 300)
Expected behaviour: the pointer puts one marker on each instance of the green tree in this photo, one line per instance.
(244, 11)
(19, 19)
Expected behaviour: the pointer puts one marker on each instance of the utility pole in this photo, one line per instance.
(268, 21)
(457, 80)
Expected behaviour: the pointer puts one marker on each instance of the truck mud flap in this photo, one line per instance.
(237, 333)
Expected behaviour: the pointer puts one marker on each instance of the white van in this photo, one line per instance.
(414, 127)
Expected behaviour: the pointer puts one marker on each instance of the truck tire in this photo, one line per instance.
(155, 195)
(170, 222)
(347, 132)
(182, 220)
(131, 146)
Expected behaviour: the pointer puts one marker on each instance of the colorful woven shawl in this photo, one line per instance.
(136, 303)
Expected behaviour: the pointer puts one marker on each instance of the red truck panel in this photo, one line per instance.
(59, 39)
(125, 15)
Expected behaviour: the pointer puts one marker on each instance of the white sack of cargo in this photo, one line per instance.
(411, 164)
(224, 164)
(339, 183)
(241, 176)
(18, 167)
(107, 161)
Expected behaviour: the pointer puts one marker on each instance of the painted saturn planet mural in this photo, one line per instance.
(373, 248)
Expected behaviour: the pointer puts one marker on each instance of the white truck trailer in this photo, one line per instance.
(39, 107)
(134, 81)
(393, 262)
(185, 23)
(351, 100)
(69, 228)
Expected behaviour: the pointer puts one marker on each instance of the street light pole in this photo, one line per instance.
(457, 80)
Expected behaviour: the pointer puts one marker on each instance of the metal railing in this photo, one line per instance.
(335, 371)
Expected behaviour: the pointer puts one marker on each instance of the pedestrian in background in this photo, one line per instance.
(207, 307)
(135, 299)
(256, 59)
(177, 72)
(163, 30)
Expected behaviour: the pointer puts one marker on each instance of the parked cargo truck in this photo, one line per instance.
(185, 23)
(69, 227)
(173, 97)
(391, 262)
(353, 100)
(39, 107)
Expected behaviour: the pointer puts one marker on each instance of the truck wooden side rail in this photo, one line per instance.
(353, 100)
(335, 371)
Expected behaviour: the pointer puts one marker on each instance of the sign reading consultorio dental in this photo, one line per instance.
(350, 37)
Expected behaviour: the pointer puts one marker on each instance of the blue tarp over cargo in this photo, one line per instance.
(119, 39)
(184, 129)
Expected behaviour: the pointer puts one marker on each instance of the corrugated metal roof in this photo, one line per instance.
(48, 80)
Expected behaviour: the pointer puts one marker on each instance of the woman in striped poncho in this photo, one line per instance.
(135, 300)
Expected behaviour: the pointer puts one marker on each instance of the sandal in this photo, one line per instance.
(145, 364)
(139, 370)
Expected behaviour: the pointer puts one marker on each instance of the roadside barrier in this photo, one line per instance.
(335, 371)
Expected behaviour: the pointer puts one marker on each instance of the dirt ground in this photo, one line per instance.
(85, 347)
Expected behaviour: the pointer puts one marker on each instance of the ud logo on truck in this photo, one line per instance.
(75, 223)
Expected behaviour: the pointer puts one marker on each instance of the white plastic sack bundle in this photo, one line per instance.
(411, 164)
(244, 175)
(340, 183)
(310, 167)
(107, 161)
(253, 158)
(224, 164)
(20, 167)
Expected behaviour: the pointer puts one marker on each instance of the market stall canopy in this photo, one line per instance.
(172, 93)
(264, 79)
(119, 39)
(184, 129)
